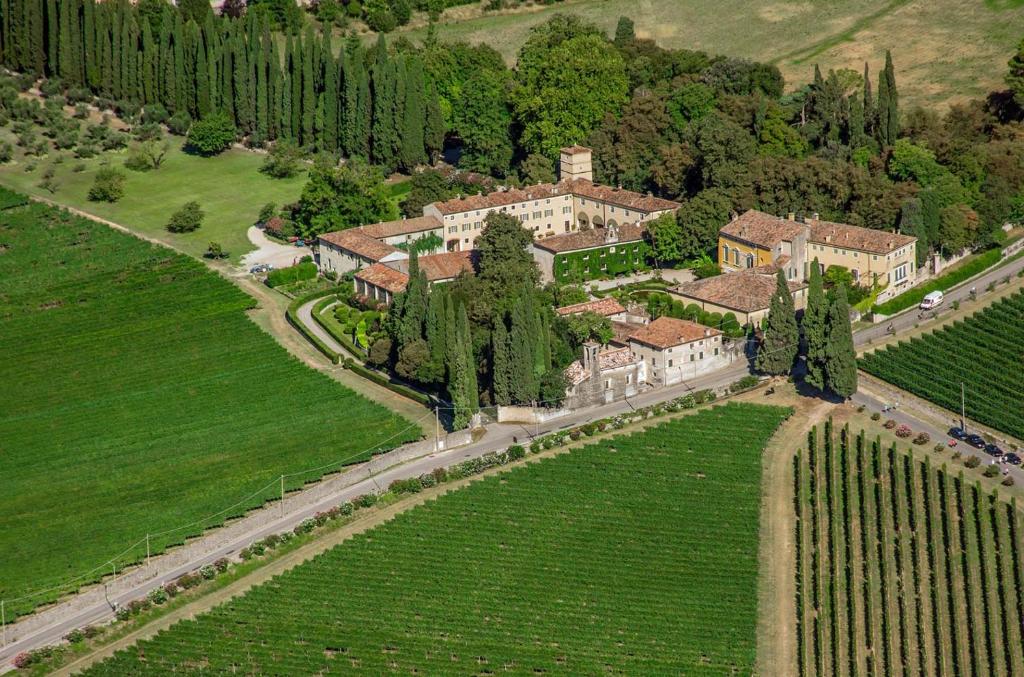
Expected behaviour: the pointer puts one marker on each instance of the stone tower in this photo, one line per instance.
(576, 163)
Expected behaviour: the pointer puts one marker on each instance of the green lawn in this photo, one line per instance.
(945, 50)
(636, 555)
(138, 398)
(229, 188)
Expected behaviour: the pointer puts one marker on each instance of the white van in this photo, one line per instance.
(932, 300)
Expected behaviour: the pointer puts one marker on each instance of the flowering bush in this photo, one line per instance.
(904, 431)
(972, 461)
(23, 660)
(922, 438)
(208, 572)
(889, 425)
(171, 589)
(221, 565)
(157, 596)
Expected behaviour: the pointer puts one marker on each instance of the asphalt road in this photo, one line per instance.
(498, 437)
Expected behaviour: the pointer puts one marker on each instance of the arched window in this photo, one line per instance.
(736, 256)
(750, 260)
(725, 253)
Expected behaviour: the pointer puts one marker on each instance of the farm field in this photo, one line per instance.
(945, 51)
(983, 352)
(139, 398)
(902, 568)
(229, 188)
(598, 560)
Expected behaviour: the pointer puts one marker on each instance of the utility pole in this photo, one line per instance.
(437, 427)
(147, 551)
(3, 620)
(282, 495)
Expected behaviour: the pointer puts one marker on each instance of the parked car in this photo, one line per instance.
(261, 268)
(976, 441)
(1012, 459)
(932, 300)
(958, 433)
(300, 243)
(993, 450)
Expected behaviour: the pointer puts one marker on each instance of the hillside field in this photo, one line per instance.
(945, 51)
(139, 398)
(902, 568)
(634, 555)
(982, 352)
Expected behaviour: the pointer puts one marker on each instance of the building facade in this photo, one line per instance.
(603, 376)
(591, 254)
(873, 257)
(675, 350)
(548, 209)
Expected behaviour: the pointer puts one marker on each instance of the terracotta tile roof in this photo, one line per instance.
(771, 268)
(667, 332)
(588, 239)
(447, 265)
(358, 243)
(620, 197)
(623, 330)
(501, 198)
(744, 291)
(763, 230)
(606, 307)
(588, 189)
(417, 224)
(606, 360)
(383, 277)
(855, 237)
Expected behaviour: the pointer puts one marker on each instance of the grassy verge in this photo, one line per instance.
(966, 269)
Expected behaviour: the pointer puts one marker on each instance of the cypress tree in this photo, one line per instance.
(66, 61)
(869, 103)
(203, 103)
(52, 16)
(912, 223)
(181, 88)
(412, 140)
(149, 65)
(501, 364)
(781, 340)
(855, 133)
(882, 110)
(240, 82)
(295, 75)
(433, 128)
(841, 358)
(435, 328)
(331, 97)
(465, 339)
(893, 112)
(92, 73)
(384, 137)
(36, 40)
(414, 307)
(521, 346)
(815, 328)
(116, 60)
(308, 89)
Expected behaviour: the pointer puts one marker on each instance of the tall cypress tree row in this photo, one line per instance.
(465, 341)
(435, 330)
(295, 77)
(149, 65)
(92, 73)
(523, 380)
(384, 137)
(308, 104)
(869, 103)
(51, 15)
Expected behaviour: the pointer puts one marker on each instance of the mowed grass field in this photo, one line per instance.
(229, 188)
(901, 568)
(636, 555)
(138, 398)
(945, 51)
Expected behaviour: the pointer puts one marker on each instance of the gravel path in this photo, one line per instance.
(269, 251)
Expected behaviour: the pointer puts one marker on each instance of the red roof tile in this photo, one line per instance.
(588, 189)
(383, 277)
(744, 291)
(606, 307)
(667, 332)
(589, 239)
(358, 243)
(855, 237)
(763, 230)
(417, 224)
(606, 360)
(620, 197)
(447, 265)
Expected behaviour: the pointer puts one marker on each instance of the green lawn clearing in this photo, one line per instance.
(139, 399)
(229, 188)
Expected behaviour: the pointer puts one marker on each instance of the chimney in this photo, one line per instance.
(814, 217)
(707, 332)
(791, 216)
(589, 356)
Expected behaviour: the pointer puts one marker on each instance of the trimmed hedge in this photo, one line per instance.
(296, 273)
(914, 297)
(382, 380)
(627, 258)
(339, 336)
(293, 318)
